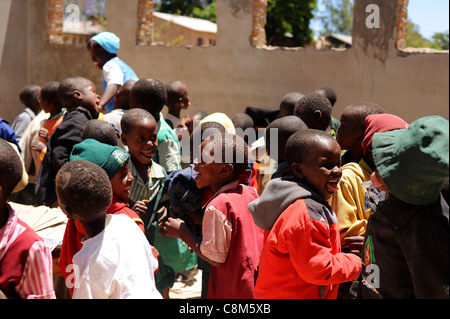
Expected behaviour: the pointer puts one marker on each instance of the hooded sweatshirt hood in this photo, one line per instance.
(276, 197)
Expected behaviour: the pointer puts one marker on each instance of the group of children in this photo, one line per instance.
(355, 207)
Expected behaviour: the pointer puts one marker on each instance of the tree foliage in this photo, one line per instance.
(337, 17)
(288, 22)
(203, 9)
(414, 39)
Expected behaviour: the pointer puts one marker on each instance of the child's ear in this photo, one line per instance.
(77, 95)
(227, 170)
(123, 137)
(297, 170)
(317, 115)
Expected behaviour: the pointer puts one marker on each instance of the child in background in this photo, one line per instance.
(315, 110)
(177, 100)
(151, 95)
(121, 106)
(331, 95)
(406, 245)
(285, 127)
(78, 96)
(101, 131)
(302, 255)
(351, 130)
(50, 104)
(25, 259)
(103, 49)
(116, 261)
(231, 243)
(29, 96)
(288, 102)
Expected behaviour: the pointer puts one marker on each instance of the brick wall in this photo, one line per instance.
(55, 21)
(402, 24)
(258, 36)
(144, 32)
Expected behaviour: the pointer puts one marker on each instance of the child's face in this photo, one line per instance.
(349, 135)
(96, 57)
(184, 101)
(142, 141)
(121, 183)
(89, 99)
(321, 168)
(209, 173)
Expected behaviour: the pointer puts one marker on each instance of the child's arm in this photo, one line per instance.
(178, 229)
(110, 92)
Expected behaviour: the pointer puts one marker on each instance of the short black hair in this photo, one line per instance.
(288, 103)
(306, 110)
(330, 94)
(243, 121)
(101, 131)
(66, 89)
(49, 93)
(175, 91)
(361, 110)
(286, 127)
(150, 95)
(29, 94)
(84, 188)
(302, 143)
(11, 168)
(131, 117)
(234, 151)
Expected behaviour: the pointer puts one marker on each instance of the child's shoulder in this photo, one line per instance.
(157, 171)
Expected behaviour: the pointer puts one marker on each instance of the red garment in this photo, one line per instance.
(235, 279)
(25, 261)
(302, 256)
(75, 232)
(379, 123)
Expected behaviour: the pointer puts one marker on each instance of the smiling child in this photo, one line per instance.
(302, 253)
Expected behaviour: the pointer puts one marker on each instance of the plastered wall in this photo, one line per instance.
(234, 74)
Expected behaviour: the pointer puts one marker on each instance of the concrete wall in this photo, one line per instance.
(233, 74)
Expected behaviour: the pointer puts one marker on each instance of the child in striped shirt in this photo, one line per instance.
(25, 260)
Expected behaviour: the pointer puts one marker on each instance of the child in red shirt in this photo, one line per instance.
(302, 256)
(231, 242)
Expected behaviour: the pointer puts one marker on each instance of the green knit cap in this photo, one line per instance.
(110, 158)
(414, 162)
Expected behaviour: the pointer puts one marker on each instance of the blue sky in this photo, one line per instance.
(430, 15)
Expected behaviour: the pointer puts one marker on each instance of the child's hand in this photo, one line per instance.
(43, 132)
(38, 146)
(171, 227)
(356, 244)
(140, 207)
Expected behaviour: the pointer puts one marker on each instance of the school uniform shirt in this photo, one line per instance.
(115, 71)
(25, 261)
(302, 256)
(351, 202)
(229, 236)
(21, 121)
(117, 263)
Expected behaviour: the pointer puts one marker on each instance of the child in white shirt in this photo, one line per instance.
(116, 260)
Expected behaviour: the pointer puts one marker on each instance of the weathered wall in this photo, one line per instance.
(234, 74)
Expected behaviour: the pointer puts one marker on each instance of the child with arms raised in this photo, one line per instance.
(302, 254)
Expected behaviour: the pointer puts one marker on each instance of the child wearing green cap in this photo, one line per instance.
(114, 162)
(103, 49)
(115, 261)
(406, 244)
